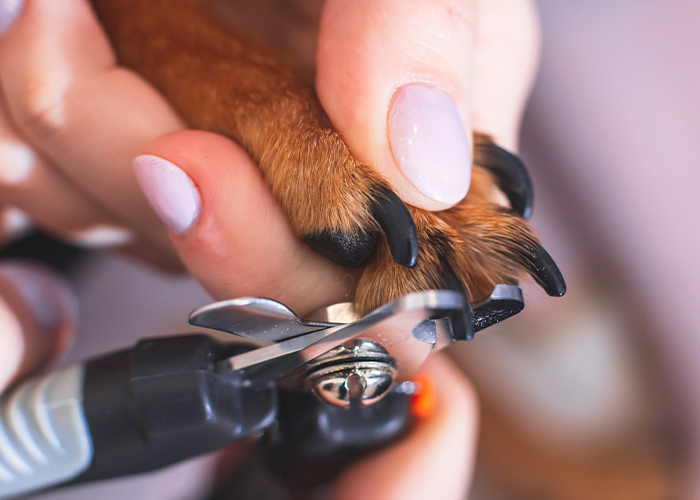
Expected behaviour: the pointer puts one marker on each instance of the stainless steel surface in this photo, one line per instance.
(366, 382)
(443, 333)
(357, 349)
(391, 326)
(408, 328)
(506, 292)
(253, 318)
(363, 372)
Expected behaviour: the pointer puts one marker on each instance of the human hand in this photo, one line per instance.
(73, 122)
(436, 458)
(376, 61)
(38, 315)
(60, 83)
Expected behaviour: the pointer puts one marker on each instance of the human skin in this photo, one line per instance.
(78, 121)
(55, 61)
(38, 316)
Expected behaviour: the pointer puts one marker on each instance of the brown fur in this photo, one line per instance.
(224, 82)
(483, 243)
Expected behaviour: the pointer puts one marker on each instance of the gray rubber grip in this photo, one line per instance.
(44, 437)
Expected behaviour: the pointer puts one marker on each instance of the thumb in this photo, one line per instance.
(393, 76)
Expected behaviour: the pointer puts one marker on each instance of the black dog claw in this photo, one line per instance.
(398, 226)
(546, 273)
(511, 174)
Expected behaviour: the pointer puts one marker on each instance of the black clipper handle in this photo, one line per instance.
(125, 413)
(163, 401)
(311, 444)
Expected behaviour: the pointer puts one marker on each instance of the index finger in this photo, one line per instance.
(229, 231)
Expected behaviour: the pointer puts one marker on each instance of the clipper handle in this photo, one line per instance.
(126, 413)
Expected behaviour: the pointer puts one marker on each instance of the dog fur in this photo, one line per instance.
(224, 82)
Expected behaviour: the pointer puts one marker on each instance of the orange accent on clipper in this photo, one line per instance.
(424, 401)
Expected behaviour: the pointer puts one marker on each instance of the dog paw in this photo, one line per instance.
(337, 205)
(226, 83)
(353, 246)
(473, 246)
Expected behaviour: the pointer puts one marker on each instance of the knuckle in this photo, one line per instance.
(41, 120)
(39, 109)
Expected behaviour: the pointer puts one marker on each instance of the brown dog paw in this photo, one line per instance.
(337, 205)
(472, 247)
(227, 83)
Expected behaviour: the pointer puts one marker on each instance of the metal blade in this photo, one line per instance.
(391, 325)
(254, 318)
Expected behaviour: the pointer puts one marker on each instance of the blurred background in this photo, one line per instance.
(597, 394)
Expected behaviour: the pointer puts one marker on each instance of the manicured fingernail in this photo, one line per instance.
(17, 162)
(9, 11)
(14, 223)
(51, 300)
(169, 190)
(429, 142)
(104, 236)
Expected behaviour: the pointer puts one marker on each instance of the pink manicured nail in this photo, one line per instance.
(9, 12)
(169, 190)
(429, 142)
(51, 300)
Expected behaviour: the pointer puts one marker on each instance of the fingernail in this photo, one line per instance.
(14, 223)
(9, 11)
(100, 237)
(169, 190)
(51, 300)
(429, 142)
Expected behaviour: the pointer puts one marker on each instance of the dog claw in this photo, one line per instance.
(546, 273)
(398, 226)
(512, 176)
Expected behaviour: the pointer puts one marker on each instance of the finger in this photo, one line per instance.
(29, 183)
(435, 460)
(395, 79)
(86, 115)
(505, 62)
(227, 228)
(39, 193)
(38, 314)
(14, 223)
